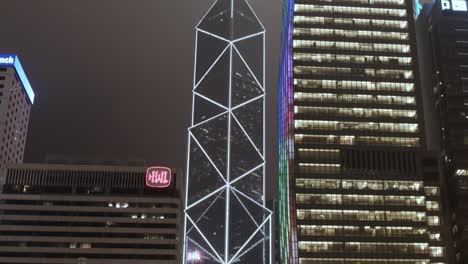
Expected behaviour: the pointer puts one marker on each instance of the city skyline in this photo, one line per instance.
(56, 47)
(361, 136)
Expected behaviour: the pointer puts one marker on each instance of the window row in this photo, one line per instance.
(372, 2)
(348, 10)
(354, 59)
(358, 126)
(432, 191)
(361, 215)
(355, 98)
(357, 140)
(351, 199)
(365, 231)
(340, 33)
(329, 154)
(432, 206)
(361, 261)
(359, 184)
(330, 21)
(363, 247)
(354, 72)
(354, 85)
(352, 46)
(355, 112)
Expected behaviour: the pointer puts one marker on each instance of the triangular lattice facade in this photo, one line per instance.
(226, 218)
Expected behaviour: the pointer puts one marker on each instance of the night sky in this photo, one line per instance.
(113, 78)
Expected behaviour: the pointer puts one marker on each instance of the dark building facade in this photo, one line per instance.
(352, 168)
(16, 99)
(88, 214)
(443, 41)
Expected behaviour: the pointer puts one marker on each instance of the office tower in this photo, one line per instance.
(16, 99)
(351, 137)
(90, 214)
(226, 217)
(443, 38)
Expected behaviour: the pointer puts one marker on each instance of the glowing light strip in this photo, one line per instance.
(232, 9)
(187, 170)
(12, 60)
(228, 172)
(195, 68)
(287, 234)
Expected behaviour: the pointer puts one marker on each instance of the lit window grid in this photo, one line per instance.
(375, 47)
(384, 48)
(287, 225)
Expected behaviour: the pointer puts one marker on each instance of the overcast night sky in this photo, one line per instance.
(113, 78)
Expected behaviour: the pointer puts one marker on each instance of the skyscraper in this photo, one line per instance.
(226, 217)
(16, 99)
(351, 135)
(443, 40)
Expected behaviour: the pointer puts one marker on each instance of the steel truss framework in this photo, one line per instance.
(226, 220)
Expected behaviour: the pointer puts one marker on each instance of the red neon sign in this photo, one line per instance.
(158, 177)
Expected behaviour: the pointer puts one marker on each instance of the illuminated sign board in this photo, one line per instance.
(7, 60)
(158, 177)
(455, 5)
(13, 61)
